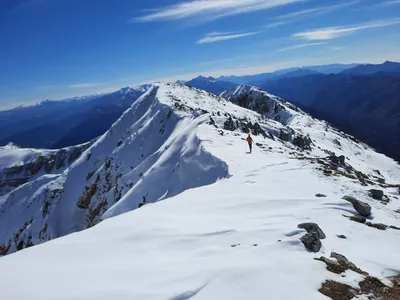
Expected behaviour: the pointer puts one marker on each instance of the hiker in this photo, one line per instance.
(250, 142)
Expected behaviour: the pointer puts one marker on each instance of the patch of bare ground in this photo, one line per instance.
(370, 287)
(337, 291)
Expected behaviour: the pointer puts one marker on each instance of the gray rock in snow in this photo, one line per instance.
(376, 194)
(320, 195)
(357, 218)
(313, 228)
(364, 209)
(379, 226)
(311, 242)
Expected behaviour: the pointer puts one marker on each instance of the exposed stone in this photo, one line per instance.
(320, 195)
(361, 177)
(303, 142)
(370, 288)
(376, 194)
(258, 130)
(337, 291)
(341, 236)
(364, 209)
(379, 226)
(229, 125)
(356, 218)
(394, 227)
(311, 242)
(337, 160)
(313, 228)
(284, 136)
(340, 265)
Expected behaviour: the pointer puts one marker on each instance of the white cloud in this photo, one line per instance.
(389, 3)
(85, 85)
(335, 32)
(275, 24)
(210, 9)
(318, 10)
(223, 36)
(300, 46)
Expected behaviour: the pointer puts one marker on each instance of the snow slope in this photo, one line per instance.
(235, 238)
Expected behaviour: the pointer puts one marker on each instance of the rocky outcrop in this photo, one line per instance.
(311, 242)
(364, 209)
(313, 228)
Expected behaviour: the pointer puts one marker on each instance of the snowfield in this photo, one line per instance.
(227, 227)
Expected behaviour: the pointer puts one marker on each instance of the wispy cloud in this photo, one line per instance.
(300, 46)
(275, 24)
(389, 3)
(210, 9)
(85, 85)
(335, 32)
(318, 10)
(214, 37)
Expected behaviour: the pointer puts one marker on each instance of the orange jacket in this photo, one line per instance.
(249, 140)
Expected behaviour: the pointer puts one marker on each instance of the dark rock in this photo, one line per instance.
(376, 194)
(364, 209)
(313, 228)
(311, 242)
(341, 236)
(303, 142)
(229, 125)
(394, 227)
(337, 160)
(320, 195)
(357, 218)
(385, 199)
(258, 130)
(284, 136)
(335, 290)
(361, 177)
(340, 265)
(381, 180)
(379, 226)
(212, 122)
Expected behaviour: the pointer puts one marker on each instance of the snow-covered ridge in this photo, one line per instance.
(238, 238)
(151, 153)
(268, 105)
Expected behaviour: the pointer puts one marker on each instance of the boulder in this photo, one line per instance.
(379, 226)
(320, 195)
(364, 209)
(376, 194)
(357, 218)
(311, 242)
(313, 228)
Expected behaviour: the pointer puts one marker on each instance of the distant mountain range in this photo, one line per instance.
(357, 101)
(324, 69)
(210, 84)
(369, 69)
(360, 99)
(57, 124)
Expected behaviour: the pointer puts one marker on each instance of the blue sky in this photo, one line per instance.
(52, 49)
